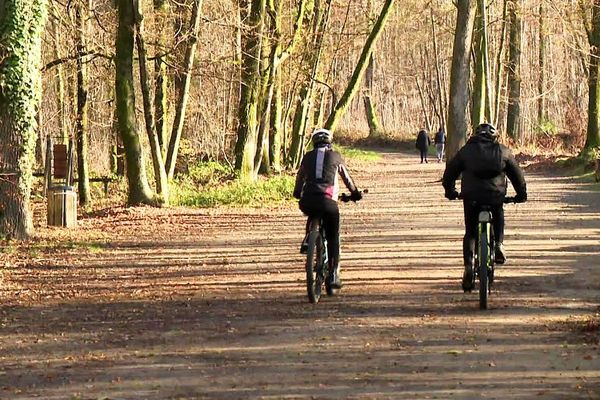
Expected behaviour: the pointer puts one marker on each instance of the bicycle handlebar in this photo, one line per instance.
(506, 200)
(345, 197)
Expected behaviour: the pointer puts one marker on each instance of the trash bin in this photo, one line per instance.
(62, 206)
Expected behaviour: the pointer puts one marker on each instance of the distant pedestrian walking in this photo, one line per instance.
(423, 142)
(440, 143)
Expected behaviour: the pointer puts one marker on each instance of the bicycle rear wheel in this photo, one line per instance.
(314, 280)
(482, 264)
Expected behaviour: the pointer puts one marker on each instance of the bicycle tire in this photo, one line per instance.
(313, 260)
(482, 264)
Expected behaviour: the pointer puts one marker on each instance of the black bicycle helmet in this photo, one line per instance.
(486, 129)
(321, 136)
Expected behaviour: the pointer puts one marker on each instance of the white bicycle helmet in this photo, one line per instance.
(321, 136)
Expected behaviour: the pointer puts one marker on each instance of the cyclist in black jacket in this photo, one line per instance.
(484, 164)
(317, 187)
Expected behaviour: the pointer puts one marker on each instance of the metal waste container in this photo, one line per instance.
(62, 206)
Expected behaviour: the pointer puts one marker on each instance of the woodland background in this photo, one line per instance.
(152, 89)
(405, 62)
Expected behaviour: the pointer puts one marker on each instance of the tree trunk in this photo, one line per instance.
(438, 74)
(20, 55)
(304, 102)
(593, 126)
(481, 110)
(139, 190)
(82, 123)
(268, 54)
(513, 118)
(370, 109)
(478, 90)
(277, 56)
(541, 114)
(276, 130)
(184, 92)
(245, 148)
(161, 85)
(361, 66)
(160, 174)
(499, 66)
(459, 78)
(486, 62)
(60, 75)
(423, 105)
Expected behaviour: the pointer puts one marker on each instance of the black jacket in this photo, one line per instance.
(484, 164)
(423, 141)
(319, 172)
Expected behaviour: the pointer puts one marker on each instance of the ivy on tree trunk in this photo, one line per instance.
(21, 24)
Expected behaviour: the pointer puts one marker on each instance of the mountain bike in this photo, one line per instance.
(485, 253)
(317, 265)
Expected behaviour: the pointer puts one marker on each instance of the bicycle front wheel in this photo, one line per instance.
(483, 262)
(313, 262)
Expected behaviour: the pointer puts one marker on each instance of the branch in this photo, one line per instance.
(63, 60)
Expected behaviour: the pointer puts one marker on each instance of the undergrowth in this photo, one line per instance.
(210, 184)
(357, 154)
(264, 191)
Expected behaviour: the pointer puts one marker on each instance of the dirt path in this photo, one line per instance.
(211, 304)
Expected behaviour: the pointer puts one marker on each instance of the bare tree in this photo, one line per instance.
(513, 118)
(459, 78)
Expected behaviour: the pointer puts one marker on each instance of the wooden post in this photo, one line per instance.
(48, 165)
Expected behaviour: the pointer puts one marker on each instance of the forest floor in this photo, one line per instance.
(141, 303)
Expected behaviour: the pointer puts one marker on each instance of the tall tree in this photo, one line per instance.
(139, 190)
(499, 65)
(82, 132)
(459, 78)
(21, 24)
(481, 109)
(59, 80)
(320, 21)
(245, 148)
(184, 92)
(160, 174)
(513, 117)
(541, 114)
(438, 74)
(271, 120)
(593, 125)
(161, 86)
(370, 109)
(361, 66)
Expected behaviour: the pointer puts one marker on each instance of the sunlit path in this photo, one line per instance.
(188, 303)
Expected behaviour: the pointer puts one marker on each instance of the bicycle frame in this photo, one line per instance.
(317, 266)
(484, 255)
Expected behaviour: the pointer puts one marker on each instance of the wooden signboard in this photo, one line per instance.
(60, 161)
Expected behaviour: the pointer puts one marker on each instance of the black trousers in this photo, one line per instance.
(471, 220)
(329, 211)
(423, 154)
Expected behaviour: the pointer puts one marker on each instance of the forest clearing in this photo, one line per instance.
(148, 303)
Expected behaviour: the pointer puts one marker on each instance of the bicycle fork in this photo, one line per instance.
(485, 247)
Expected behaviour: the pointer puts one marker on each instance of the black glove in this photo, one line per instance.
(356, 195)
(521, 197)
(451, 194)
